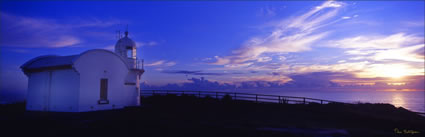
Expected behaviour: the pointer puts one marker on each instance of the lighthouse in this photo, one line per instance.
(94, 80)
(126, 48)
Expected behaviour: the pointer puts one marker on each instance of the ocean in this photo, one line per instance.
(412, 100)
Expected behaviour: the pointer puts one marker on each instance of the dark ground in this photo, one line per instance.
(188, 116)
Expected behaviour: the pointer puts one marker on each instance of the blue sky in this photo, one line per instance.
(344, 42)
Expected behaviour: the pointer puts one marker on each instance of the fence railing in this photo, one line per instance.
(240, 96)
(245, 96)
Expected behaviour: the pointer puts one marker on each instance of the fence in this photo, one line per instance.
(240, 96)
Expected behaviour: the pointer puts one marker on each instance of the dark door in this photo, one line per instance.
(103, 91)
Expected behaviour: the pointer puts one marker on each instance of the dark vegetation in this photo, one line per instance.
(186, 116)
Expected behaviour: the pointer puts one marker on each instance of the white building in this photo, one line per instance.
(93, 80)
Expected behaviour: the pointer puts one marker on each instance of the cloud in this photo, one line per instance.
(394, 70)
(363, 69)
(192, 84)
(237, 66)
(290, 35)
(282, 58)
(349, 17)
(110, 47)
(253, 71)
(328, 79)
(342, 61)
(329, 4)
(206, 59)
(264, 59)
(360, 66)
(181, 71)
(397, 46)
(345, 17)
(377, 42)
(322, 80)
(169, 64)
(411, 53)
(31, 32)
(93, 22)
(340, 67)
(316, 79)
(267, 12)
(197, 72)
(416, 82)
(138, 44)
(156, 63)
(198, 84)
(151, 43)
(268, 78)
(163, 63)
(413, 23)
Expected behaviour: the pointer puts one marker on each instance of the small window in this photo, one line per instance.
(134, 54)
(129, 53)
(103, 91)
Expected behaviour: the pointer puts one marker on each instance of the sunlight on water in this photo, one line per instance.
(398, 100)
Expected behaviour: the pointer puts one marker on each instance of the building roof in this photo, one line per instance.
(54, 62)
(49, 61)
(125, 42)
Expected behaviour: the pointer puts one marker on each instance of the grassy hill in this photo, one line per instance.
(186, 116)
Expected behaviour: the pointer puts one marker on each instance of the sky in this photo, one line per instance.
(355, 45)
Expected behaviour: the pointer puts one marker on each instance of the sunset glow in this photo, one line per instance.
(392, 71)
(235, 45)
(398, 100)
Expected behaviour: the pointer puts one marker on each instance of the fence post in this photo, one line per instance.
(280, 100)
(256, 98)
(216, 95)
(167, 92)
(182, 92)
(199, 94)
(153, 92)
(304, 100)
(235, 96)
(321, 101)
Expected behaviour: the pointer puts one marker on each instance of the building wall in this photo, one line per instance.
(37, 91)
(95, 65)
(133, 83)
(53, 91)
(64, 91)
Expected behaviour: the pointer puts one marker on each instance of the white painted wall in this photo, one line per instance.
(53, 91)
(94, 65)
(37, 91)
(64, 91)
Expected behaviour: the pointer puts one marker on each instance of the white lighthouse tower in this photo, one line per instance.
(127, 49)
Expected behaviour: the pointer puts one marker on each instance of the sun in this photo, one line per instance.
(394, 71)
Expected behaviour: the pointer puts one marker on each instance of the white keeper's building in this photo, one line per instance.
(93, 80)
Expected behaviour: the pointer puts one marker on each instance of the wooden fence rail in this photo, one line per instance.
(240, 96)
(245, 96)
